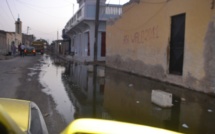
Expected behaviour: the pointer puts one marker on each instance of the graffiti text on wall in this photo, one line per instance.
(141, 37)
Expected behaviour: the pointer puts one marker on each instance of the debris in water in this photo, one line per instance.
(137, 101)
(158, 108)
(183, 99)
(130, 85)
(210, 111)
(185, 125)
(161, 98)
(46, 115)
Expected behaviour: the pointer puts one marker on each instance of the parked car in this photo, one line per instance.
(29, 50)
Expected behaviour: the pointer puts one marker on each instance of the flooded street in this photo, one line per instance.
(50, 78)
(124, 97)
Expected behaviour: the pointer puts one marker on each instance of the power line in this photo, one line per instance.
(10, 10)
(149, 2)
(43, 7)
(4, 16)
(15, 6)
(51, 33)
(146, 21)
(38, 10)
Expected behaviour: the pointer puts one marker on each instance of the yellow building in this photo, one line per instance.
(168, 40)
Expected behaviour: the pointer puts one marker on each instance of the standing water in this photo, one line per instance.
(128, 98)
(51, 79)
(125, 97)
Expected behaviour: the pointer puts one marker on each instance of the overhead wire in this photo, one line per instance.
(33, 29)
(150, 2)
(43, 7)
(47, 35)
(51, 33)
(10, 10)
(143, 1)
(41, 32)
(4, 17)
(15, 6)
(38, 10)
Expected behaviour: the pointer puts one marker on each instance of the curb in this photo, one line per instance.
(2, 57)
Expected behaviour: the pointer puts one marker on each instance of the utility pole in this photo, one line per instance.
(57, 35)
(73, 9)
(95, 55)
(96, 30)
(28, 28)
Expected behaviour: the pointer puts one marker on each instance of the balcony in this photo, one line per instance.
(87, 12)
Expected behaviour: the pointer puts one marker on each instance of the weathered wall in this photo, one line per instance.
(18, 39)
(10, 38)
(2, 43)
(138, 42)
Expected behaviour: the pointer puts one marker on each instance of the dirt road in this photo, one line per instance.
(17, 81)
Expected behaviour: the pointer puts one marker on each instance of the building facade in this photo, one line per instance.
(80, 29)
(171, 41)
(27, 39)
(61, 47)
(3, 45)
(18, 32)
(6, 38)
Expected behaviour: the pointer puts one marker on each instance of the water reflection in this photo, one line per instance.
(80, 83)
(50, 78)
(124, 97)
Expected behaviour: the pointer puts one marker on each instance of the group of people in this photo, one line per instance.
(21, 49)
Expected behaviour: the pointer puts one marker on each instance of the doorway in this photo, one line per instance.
(177, 44)
(103, 44)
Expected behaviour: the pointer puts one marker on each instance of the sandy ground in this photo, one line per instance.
(17, 82)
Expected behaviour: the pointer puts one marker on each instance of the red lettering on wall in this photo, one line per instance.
(143, 36)
(126, 39)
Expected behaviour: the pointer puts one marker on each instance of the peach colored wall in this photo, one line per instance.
(138, 41)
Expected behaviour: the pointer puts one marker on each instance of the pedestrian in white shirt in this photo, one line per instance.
(22, 50)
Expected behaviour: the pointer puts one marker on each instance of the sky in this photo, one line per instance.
(45, 18)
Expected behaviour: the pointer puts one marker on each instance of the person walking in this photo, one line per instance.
(22, 50)
(13, 49)
(19, 49)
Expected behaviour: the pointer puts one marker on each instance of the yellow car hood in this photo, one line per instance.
(18, 110)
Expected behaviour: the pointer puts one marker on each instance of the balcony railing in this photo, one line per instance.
(87, 12)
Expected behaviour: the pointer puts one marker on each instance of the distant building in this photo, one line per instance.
(18, 32)
(171, 41)
(80, 29)
(3, 42)
(60, 47)
(27, 39)
(6, 38)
